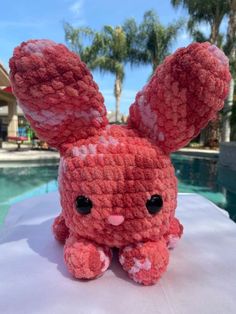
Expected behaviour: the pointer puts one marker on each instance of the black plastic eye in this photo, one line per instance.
(154, 205)
(83, 205)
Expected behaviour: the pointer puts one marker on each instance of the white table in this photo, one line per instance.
(201, 277)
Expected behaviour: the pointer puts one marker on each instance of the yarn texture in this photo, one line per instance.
(117, 185)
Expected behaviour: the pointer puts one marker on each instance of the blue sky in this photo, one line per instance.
(23, 20)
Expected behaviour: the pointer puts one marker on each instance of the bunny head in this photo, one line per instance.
(117, 183)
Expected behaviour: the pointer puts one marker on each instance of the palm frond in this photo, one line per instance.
(150, 42)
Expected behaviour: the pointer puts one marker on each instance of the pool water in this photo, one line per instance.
(24, 181)
(205, 177)
(194, 174)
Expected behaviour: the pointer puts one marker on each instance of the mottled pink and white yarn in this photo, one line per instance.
(117, 184)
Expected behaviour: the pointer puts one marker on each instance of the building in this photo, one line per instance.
(8, 107)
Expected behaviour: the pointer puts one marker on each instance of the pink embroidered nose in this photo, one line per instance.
(115, 220)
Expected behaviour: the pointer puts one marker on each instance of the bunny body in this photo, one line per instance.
(117, 184)
(119, 171)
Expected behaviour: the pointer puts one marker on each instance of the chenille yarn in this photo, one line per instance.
(117, 168)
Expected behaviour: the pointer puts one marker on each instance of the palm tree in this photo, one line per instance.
(110, 56)
(230, 50)
(113, 47)
(105, 51)
(75, 39)
(150, 42)
(212, 13)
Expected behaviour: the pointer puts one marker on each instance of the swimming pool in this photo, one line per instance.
(22, 181)
(196, 175)
(205, 177)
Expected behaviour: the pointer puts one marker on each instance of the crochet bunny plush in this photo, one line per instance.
(117, 185)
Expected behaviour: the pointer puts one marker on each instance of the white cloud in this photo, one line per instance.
(77, 13)
(77, 8)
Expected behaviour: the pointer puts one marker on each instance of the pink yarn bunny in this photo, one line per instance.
(117, 184)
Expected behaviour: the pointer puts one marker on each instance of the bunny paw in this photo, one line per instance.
(145, 262)
(86, 260)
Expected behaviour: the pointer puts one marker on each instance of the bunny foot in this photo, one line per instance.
(145, 262)
(85, 259)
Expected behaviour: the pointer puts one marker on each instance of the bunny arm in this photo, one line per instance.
(174, 233)
(60, 230)
(85, 259)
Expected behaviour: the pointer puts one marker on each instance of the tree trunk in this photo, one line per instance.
(154, 65)
(225, 133)
(202, 137)
(211, 134)
(231, 52)
(215, 25)
(214, 33)
(231, 31)
(117, 109)
(117, 92)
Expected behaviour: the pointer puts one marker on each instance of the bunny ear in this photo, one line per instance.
(56, 92)
(185, 92)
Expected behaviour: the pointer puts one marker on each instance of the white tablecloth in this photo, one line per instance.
(201, 277)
